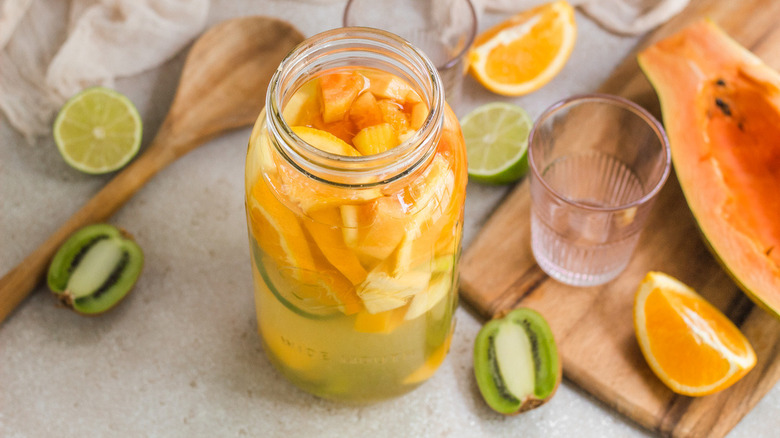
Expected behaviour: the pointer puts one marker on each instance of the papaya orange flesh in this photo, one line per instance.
(339, 90)
(721, 111)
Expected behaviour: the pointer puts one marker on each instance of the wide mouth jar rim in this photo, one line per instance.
(378, 45)
(615, 101)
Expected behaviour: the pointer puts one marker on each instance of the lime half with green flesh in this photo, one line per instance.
(496, 137)
(98, 130)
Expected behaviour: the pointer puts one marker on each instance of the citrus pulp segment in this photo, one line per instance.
(496, 136)
(278, 231)
(330, 241)
(98, 130)
(526, 51)
(383, 322)
(689, 344)
(283, 239)
(325, 141)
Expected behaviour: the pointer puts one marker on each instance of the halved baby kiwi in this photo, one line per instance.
(516, 362)
(95, 268)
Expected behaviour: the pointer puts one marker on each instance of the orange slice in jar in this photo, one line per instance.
(371, 235)
(383, 322)
(526, 51)
(425, 203)
(277, 230)
(304, 105)
(325, 141)
(688, 343)
(323, 228)
(310, 195)
(280, 235)
(384, 85)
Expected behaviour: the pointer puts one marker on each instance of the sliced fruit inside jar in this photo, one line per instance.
(382, 322)
(439, 287)
(281, 237)
(371, 235)
(339, 90)
(330, 240)
(382, 291)
(303, 105)
(386, 86)
(382, 244)
(426, 201)
(277, 229)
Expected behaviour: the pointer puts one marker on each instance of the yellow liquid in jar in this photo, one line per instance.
(355, 292)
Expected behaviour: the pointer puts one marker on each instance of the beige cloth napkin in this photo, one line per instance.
(627, 17)
(45, 59)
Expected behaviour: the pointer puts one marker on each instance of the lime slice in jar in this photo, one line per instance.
(306, 307)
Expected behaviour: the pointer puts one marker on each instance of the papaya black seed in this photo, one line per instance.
(724, 107)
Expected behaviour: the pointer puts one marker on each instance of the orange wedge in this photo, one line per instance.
(282, 237)
(278, 230)
(526, 51)
(382, 322)
(689, 344)
(330, 240)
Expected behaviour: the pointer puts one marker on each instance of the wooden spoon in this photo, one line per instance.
(222, 87)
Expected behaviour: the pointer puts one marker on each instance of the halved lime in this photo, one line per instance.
(98, 130)
(496, 137)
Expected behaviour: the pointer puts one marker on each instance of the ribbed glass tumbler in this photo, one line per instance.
(597, 164)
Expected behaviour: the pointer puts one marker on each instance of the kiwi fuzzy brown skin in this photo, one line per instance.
(543, 363)
(119, 263)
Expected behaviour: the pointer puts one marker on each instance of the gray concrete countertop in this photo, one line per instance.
(180, 357)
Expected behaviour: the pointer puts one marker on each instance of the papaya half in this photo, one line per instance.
(721, 110)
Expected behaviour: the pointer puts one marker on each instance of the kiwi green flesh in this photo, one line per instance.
(95, 268)
(516, 362)
(70, 253)
(117, 284)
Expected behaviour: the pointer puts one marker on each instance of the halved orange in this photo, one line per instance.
(526, 51)
(689, 344)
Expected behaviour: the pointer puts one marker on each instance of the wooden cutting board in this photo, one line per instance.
(593, 326)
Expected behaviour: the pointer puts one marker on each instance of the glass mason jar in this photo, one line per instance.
(355, 258)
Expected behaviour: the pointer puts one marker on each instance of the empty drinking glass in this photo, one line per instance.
(597, 163)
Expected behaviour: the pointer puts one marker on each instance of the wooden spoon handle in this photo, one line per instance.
(21, 280)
